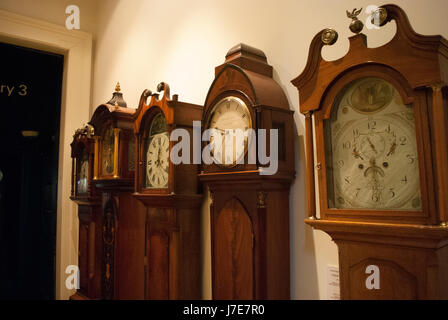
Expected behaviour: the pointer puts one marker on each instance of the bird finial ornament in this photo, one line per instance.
(356, 25)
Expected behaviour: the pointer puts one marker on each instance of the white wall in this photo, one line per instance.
(141, 43)
(54, 10)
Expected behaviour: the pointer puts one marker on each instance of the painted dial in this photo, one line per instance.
(83, 175)
(372, 157)
(108, 152)
(157, 154)
(230, 117)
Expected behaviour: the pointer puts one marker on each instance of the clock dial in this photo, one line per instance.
(83, 174)
(370, 95)
(157, 154)
(372, 156)
(228, 115)
(108, 152)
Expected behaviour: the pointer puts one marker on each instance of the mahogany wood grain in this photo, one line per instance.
(233, 253)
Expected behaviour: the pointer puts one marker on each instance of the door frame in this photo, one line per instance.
(76, 46)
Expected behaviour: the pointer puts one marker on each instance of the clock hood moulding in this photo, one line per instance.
(114, 112)
(116, 119)
(419, 60)
(175, 111)
(246, 75)
(177, 114)
(82, 140)
(244, 67)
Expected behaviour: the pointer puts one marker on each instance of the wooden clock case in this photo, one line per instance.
(250, 212)
(170, 225)
(118, 278)
(90, 218)
(409, 247)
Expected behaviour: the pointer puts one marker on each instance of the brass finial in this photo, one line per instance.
(329, 36)
(117, 87)
(356, 25)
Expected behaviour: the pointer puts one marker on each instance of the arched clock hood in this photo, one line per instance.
(244, 67)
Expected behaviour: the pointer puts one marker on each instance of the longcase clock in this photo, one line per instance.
(171, 196)
(88, 199)
(380, 127)
(114, 169)
(249, 211)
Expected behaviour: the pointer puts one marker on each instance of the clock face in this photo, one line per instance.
(83, 174)
(371, 149)
(229, 114)
(157, 152)
(108, 152)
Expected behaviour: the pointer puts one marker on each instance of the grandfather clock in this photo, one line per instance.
(114, 176)
(380, 124)
(84, 193)
(250, 207)
(171, 196)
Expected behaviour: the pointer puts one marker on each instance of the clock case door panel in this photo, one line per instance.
(90, 249)
(119, 119)
(252, 217)
(171, 216)
(233, 253)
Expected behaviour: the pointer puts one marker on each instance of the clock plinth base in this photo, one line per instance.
(412, 260)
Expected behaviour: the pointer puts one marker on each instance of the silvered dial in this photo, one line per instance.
(83, 176)
(157, 154)
(108, 152)
(374, 163)
(230, 117)
(157, 163)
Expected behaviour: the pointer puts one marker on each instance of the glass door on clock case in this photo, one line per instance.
(371, 149)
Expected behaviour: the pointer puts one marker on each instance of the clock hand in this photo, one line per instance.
(158, 156)
(219, 129)
(371, 145)
(357, 154)
(392, 149)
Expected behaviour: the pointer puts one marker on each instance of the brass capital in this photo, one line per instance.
(308, 114)
(437, 87)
